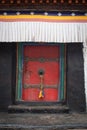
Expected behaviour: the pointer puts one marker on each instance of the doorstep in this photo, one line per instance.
(38, 109)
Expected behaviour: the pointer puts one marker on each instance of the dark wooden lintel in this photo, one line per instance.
(46, 8)
(43, 7)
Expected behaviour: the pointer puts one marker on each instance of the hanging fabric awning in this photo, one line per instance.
(41, 28)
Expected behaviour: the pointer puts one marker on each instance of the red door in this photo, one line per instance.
(41, 73)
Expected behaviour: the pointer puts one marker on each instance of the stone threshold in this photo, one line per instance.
(38, 109)
(51, 127)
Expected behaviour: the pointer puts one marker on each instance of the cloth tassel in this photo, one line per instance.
(41, 94)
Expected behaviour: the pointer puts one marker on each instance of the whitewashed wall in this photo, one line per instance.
(85, 69)
(46, 32)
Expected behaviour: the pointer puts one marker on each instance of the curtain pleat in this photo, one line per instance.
(43, 31)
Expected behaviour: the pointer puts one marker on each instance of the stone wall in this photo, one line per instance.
(6, 74)
(75, 77)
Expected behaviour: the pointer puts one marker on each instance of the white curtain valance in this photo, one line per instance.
(43, 32)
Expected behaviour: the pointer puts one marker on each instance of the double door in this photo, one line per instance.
(41, 74)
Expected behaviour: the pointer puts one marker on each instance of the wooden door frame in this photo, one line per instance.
(19, 69)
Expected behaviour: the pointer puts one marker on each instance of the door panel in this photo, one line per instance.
(36, 58)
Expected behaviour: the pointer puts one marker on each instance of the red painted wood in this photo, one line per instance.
(31, 76)
(32, 94)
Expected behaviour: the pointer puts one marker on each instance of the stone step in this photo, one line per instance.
(54, 127)
(38, 109)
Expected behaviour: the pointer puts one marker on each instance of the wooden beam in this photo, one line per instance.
(46, 5)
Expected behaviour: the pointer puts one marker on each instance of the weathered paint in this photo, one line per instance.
(19, 81)
(62, 72)
(60, 90)
(85, 70)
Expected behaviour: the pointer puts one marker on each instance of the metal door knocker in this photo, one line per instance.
(41, 74)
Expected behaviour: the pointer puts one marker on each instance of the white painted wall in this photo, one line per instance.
(85, 69)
